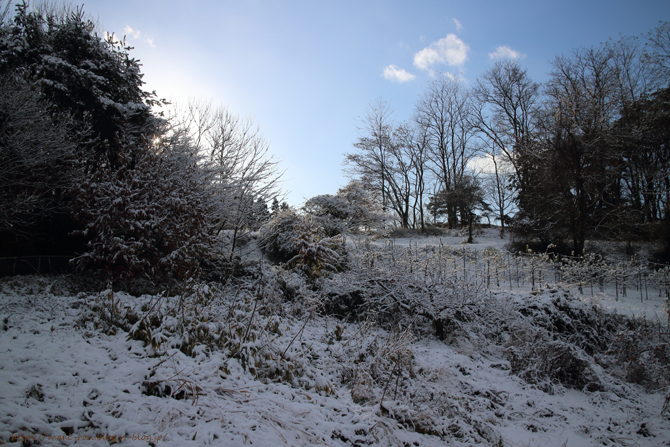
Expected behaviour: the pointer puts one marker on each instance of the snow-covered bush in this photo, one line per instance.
(564, 340)
(331, 212)
(299, 242)
(146, 218)
(277, 236)
(352, 209)
(538, 359)
(382, 365)
(315, 254)
(641, 354)
(191, 323)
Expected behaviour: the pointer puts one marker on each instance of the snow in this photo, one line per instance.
(92, 385)
(455, 239)
(64, 381)
(646, 301)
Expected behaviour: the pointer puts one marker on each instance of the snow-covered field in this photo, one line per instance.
(483, 238)
(267, 367)
(643, 300)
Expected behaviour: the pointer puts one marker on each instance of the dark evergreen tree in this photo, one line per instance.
(37, 159)
(79, 72)
(148, 218)
(467, 196)
(78, 77)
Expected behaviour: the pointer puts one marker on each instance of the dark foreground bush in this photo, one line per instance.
(549, 362)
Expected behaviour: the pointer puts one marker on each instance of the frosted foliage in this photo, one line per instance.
(332, 212)
(36, 157)
(93, 78)
(314, 253)
(352, 209)
(146, 218)
(299, 242)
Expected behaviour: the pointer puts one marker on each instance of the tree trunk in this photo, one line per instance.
(470, 220)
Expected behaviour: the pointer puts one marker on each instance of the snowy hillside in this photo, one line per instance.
(353, 358)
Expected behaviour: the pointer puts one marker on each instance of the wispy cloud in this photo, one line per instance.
(135, 33)
(450, 50)
(505, 52)
(395, 74)
(132, 32)
(459, 25)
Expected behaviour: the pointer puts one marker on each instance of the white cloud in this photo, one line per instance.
(505, 52)
(131, 32)
(395, 74)
(459, 25)
(482, 165)
(450, 50)
(135, 33)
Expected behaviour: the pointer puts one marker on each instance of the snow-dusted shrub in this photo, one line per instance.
(376, 366)
(641, 354)
(452, 305)
(110, 313)
(331, 212)
(352, 209)
(569, 319)
(146, 218)
(299, 242)
(315, 254)
(572, 339)
(241, 323)
(277, 236)
(378, 369)
(538, 359)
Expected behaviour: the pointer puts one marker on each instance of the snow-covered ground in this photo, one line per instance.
(70, 377)
(643, 300)
(483, 238)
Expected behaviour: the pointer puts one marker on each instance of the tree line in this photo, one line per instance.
(583, 155)
(95, 167)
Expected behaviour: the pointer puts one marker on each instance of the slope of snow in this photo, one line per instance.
(64, 382)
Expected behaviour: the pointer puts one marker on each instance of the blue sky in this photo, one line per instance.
(306, 70)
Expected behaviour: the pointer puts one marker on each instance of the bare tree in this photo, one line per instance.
(400, 170)
(194, 119)
(444, 114)
(506, 104)
(583, 101)
(413, 141)
(370, 163)
(657, 54)
(242, 171)
(499, 189)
